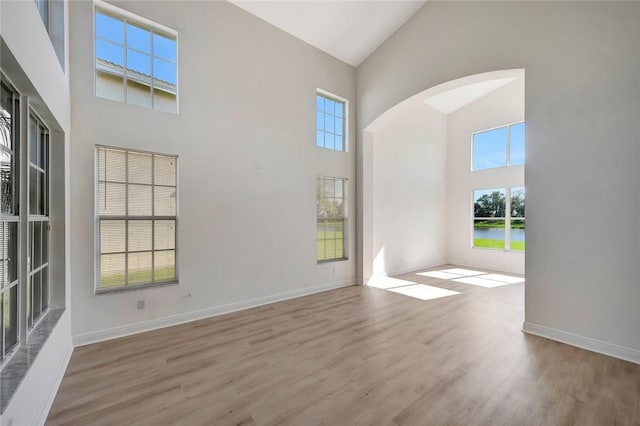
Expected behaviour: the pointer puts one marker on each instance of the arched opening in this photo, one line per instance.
(443, 180)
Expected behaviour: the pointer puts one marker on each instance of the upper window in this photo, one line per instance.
(331, 122)
(331, 219)
(137, 218)
(499, 147)
(136, 62)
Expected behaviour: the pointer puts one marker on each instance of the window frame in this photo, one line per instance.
(344, 218)
(126, 217)
(508, 147)
(127, 17)
(507, 218)
(345, 127)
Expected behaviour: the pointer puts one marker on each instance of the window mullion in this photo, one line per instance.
(153, 213)
(126, 224)
(23, 258)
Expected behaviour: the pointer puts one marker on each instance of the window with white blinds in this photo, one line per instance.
(137, 218)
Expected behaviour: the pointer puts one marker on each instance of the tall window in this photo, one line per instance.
(38, 258)
(137, 218)
(330, 122)
(499, 147)
(495, 226)
(136, 61)
(331, 219)
(9, 220)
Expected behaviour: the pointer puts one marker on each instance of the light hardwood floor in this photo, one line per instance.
(352, 356)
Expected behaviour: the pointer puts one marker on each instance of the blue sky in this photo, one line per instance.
(110, 37)
(329, 123)
(490, 147)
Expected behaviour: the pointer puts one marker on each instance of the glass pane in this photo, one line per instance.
(6, 115)
(339, 126)
(164, 265)
(329, 187)
(43, 191)
(4, 254)
(10, 319)
(139, 200)
(112, 267)
(36, 243)
(112, 236)
(329, 141)
(489, 203)
(320, 121)
(139, 235)
(33, 140)
(329, 123)
(139, 268)
(37, 296)
(516, 142)
(138, 93)
(112, 199)
(490, 149)
(45, 288)
(339, 146)
(164, 71)
(165, 234)
(339, 187)
(34, 198)
(138, 38)
(339, 109)
(115, 165)
(164, 100)
(517, 201)
(110, 86)
(42, 148)
(101, 155)
(488, 233)
(139, 168)
(517, 234)
(109, 28)
(29, 302)
(339, 249)
(109, 54)
(319, 138)
(164, 47)
(7, 179)
(45, 242)
(165, 201)
(30, 247)
(164, 169)
(140, 64)
(329, 106)
(12, 259)
(319, 103)
(330, 249)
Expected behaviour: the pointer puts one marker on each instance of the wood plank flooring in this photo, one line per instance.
(353, 356)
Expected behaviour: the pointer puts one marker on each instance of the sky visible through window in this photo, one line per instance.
(146, 52)
(490, 148)
(329, 123)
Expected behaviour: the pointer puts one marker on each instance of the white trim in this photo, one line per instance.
(140, 327)
(594, 345)
(54, 385)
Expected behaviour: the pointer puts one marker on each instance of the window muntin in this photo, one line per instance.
(135, 62)
(9, 221)
(330, 122)
(331, 219)
(500, 147)
(137, 218)
(495, 226)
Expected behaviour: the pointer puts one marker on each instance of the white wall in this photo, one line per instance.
(408, 193)
(248, 163)
(582, 105)
(30, 62)
(498, 108)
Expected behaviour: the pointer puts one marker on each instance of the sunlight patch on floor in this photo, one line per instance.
(423, 291)
(388, 282)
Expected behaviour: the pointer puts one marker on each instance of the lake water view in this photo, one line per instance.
(497, 234)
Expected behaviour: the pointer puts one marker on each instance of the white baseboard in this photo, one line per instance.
(54, 385)
(140, 327)
(594, 345)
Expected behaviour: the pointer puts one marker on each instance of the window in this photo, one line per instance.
(494, 226)
(135, 60)
(499, 147)
(331, 219)
(38, 257)
(331, 122)
(43, 10)
(9, 221)
(137, 218)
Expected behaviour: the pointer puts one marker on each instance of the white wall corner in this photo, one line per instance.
(594, 345)
(140, 327)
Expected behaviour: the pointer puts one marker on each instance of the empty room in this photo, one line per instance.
(162, 262)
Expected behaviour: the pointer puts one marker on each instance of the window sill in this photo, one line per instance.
(17, 367)
(116, 290)
(342, 259)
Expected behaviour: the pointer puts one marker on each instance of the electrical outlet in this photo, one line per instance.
(142, 304)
